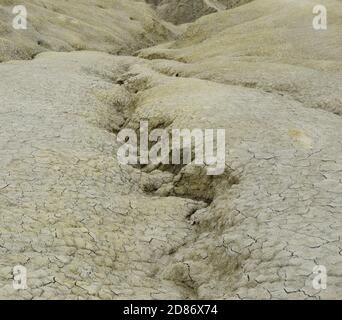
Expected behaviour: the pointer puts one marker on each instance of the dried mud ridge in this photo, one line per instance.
(165, 180)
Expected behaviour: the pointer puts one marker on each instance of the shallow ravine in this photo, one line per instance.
(87, 227)
(113, 26)
(75, 218)
(84, 226)
(264, 232)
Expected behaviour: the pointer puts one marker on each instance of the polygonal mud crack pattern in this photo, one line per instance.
(84, 228)
(262, 237)
(87, 227)
(69, 213)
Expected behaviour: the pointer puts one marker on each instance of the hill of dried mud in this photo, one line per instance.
(87, 227)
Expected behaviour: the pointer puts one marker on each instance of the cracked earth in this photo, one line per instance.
(87, 227)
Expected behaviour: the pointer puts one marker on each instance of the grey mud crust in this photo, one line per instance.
(87, 227)
(84, 226)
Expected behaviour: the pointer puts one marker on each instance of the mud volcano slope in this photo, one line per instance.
(184, 11)
(114, 26)
(266, 44)
(86, 226)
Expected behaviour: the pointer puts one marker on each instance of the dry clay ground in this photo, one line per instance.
(87, 227)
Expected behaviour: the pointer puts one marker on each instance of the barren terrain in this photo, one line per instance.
(87, 227)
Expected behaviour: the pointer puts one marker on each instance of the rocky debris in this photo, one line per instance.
(88, 227)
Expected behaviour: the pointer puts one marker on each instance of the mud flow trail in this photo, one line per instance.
(86, 226)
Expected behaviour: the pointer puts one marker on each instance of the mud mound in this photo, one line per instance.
(266, 44)
(117, 27)
(183, 11)
(86, 226)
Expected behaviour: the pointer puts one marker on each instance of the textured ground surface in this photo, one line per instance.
(69, 213)
(114, 26)
(86, 227)
(183, 11)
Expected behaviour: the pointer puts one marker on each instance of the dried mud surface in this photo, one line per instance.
(87, 227)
